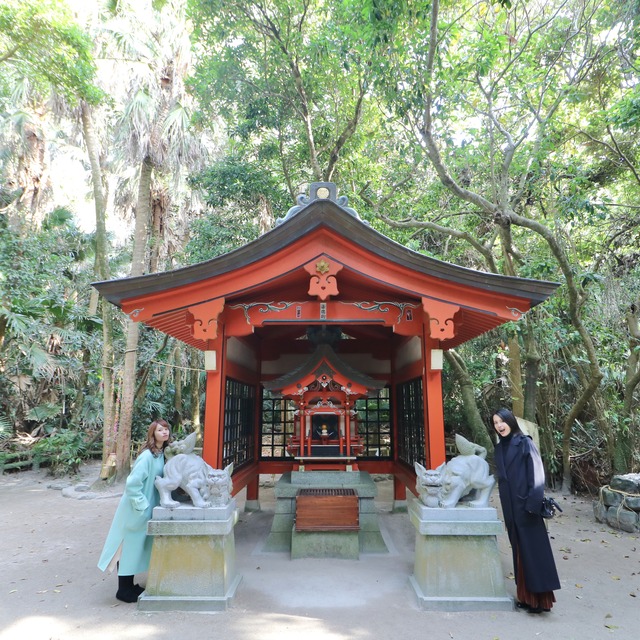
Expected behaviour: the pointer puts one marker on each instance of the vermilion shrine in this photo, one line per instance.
(323, 343)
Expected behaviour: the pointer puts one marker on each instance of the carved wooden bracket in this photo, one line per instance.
(203, 319)
(441, 324)
(323, 282)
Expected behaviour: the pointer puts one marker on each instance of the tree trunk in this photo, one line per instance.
(625, 445)
(477, 427)
(265, 216)
(123, 436)
(195, 392)
(605, 427)
(531, 372)
(31, 179)
(3, 329)
(102, 273)
(515, 376)
(141, 232)
(177, 379)
(160, 203)
(142, 376)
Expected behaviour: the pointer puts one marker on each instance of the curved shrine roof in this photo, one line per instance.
(370, 262)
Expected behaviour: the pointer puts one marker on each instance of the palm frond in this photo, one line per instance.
(6, 428)
(176, 125)
(17, 323)
(138, 113)
(40, 360)
(44, 412)
(19, 119)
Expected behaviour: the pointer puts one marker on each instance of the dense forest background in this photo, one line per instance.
(138, 136)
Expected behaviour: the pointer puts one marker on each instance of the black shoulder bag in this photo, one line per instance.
(549, 506)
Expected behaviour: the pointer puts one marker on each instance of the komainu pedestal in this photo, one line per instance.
(193, 560)
(457, 561)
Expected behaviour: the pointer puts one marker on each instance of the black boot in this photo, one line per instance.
(127, 591)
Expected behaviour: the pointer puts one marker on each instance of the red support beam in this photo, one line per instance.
(214, 406)
(433, 405)
(212, 410)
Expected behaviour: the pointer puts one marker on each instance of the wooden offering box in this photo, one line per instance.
(327, 510)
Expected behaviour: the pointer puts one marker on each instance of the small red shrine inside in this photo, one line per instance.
(323, 342)
(325, 389)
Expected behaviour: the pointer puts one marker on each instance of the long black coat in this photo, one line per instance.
(521, 486)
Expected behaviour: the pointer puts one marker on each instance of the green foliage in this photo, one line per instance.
(40, 41)
(46, 328)
(290, 80)
(237, 192)
(218, 233)
(5, 429)
(44, 412)
(239, 182)
(64, 451)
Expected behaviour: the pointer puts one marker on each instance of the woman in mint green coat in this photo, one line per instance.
(128, 546)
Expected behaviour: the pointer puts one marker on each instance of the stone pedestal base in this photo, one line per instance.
(193, 559)
(457, 562)
(325, 544)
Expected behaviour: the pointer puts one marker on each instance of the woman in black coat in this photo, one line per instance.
(521, 485)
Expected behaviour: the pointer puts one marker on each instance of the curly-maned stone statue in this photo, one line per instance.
(451, 481)
(206, 486)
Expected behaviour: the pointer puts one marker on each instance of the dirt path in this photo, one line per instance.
(52, 589)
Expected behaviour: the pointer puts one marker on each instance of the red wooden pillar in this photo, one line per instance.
(253, 489)
(399, 490)
(347, 426)
(435, 413)
(214, 406)
(308, 422)
(433, 405)
(253, 485)
(301, 423)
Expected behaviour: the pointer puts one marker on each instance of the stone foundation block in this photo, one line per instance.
(325, 544)
(370, 539)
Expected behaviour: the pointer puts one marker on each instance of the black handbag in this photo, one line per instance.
(549, 507)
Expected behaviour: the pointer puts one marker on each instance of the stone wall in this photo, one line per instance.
(619, 503)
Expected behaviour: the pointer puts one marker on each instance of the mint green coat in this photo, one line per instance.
(129, 526)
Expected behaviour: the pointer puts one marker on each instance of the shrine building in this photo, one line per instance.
(323, 343)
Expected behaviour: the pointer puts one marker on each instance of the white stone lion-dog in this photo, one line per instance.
(455, 479)
(206, 486)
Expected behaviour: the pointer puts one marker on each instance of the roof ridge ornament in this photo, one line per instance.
(320, 191)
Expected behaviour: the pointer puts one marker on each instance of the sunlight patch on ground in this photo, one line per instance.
(51, 628)
(288, 627)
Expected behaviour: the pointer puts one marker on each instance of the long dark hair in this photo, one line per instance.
(151, 438)
(508, 417)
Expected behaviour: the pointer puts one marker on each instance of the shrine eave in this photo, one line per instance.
(326, 353)
(328, 214)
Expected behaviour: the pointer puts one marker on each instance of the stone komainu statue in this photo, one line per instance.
(206, 486)
(451, 481)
